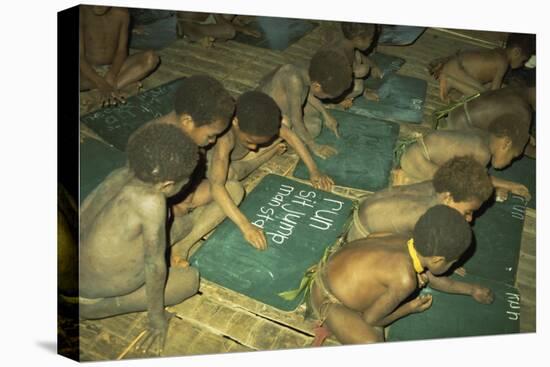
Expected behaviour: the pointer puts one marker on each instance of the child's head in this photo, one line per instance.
(257, 120)
(463, 184)
(330, 74)
(519, 48)
(360, 34)
(508, 139)
(203, 108)
(163, 156)
(441, 235)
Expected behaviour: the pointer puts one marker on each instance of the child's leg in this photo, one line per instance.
(349, 327)
(136, 67)
(240, 169)
(180, 285)
(205, 219)
(454, 76)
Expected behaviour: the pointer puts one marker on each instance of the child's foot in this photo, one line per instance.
(371, 95)
(177, 261)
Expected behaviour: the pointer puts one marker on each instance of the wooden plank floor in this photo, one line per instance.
(219, 320)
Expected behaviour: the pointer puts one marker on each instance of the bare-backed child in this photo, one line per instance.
(298, 91)
(104, 61)
(203, 110)
(256, 135)
(490, 105)
(504, 141)
(469, 71)
(356, 44)
(124, 236)
(208, 27)
(461, 183)
(365, 286)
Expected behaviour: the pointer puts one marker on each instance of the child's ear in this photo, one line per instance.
(316, 86)
(186, 121)
(516, 52)
(166, 185)
(506, 143)
(437, 260)
(447, 198)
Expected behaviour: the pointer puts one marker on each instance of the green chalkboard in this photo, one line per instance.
(276, 33)
(523, 171)
(454, 315)
(116, 124)
(299, 222)
(365, 152)
(497, 232)
(401, 100)
(399, 35)
(97, 161)
(388, 64)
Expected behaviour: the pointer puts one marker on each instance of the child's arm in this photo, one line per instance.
(152, 212)
(361, 67)
(479, 293)
(122, 49)
(501, 68)
(295, 87)
(513, 187)
(384, 311)
(218, 178)
(330, 121)
(318, 180)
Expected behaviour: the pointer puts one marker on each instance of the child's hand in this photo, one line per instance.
(376, 72)
(346, 103)
(421, 303)
(154, 340)
(281, 148)
(255, 236)
(482, 294)
(323, 151)
(520, 190)
(321, 181)
(501, 194)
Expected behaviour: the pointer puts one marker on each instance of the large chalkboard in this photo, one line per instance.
(454, 315)
(97, 161)
(523, 171)
(497, 232)
(116, 124)
(401, 100)
(299, 222)
(365, 152)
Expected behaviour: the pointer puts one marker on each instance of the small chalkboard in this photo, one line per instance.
(365, 152)
(97, 161)
(299, 222)
(401, 100)
(276, 33)
(388, 64)
(116, 124)
(497, 232)
(399, 35)
(453, 315)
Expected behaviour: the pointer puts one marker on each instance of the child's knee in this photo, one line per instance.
(235, 190)
(185, 283)
(151, 59)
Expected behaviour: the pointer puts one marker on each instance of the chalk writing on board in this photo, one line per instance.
(287, 207)
(514, 303)
(518, 210)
